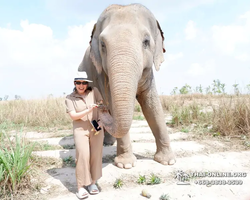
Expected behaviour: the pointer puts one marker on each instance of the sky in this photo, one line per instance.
(42, 43)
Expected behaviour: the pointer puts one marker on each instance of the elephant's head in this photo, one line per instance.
(125, 43)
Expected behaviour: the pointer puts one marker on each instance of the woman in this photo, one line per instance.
(81, 105)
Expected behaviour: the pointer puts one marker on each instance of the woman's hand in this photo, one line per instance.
(78, 115)
(99, 123)
(92, 106)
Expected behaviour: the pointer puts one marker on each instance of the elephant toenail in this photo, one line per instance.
(120, 165)
(171, 162)
(128, 166)
(164, 163)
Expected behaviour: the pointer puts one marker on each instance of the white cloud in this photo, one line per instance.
(242, 57)
(190, 30)
(35, 46)
(228, 39)
(246, 16)
(32, 55)
(173, 42)
(173, 57)
(81, 10)
(198, 69)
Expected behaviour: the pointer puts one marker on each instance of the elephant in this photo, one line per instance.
(125, 43)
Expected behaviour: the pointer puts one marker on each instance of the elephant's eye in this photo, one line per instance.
(103, 44)
(146, 43)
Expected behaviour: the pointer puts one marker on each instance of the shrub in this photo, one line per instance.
(154, 179)
(141, 179)
(164, 197)
(118, 183)
(14, 162)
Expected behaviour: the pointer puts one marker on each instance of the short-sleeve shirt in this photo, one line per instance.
(77, 102)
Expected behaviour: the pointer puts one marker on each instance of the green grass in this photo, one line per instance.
(185, 130)
(14, 162)
(137, 108)
(118, 183)
(9, 126)
(154, 179)
(246, 143)
(69, 161)
(185, 115)
(138, 117)
(141, 179)
(164, 197)
(44, 146)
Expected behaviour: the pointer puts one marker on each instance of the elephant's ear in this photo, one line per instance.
(94, 50)
(92, 33)
(159, 47)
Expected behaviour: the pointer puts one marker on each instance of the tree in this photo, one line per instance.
(236, 89)
(208, 90)
(17, 97)
(218, 87)
(185, 89)
(6, 97)
(198, 89)
(174, 91)
(248, 88)
(223, 88)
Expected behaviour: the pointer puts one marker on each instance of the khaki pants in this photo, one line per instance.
(88, 155)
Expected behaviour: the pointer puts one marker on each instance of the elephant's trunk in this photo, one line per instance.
(124, 74)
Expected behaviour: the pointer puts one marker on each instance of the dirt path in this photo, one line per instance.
(207, 155)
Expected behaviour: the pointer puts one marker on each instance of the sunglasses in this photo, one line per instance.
(79, 83)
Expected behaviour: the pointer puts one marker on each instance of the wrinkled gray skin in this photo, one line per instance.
(125, 43)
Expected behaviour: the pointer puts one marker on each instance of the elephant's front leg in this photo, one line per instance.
(153, 112)
(125, 157)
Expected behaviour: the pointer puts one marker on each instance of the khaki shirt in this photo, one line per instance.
(75, 101)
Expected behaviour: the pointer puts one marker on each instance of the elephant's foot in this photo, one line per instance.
(165, 157)
(125, 160)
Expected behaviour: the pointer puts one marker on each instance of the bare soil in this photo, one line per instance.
(194, 154)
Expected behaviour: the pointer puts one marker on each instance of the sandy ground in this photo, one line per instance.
(193, 155)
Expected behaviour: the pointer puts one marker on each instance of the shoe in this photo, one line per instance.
(82, 193)
(93, 189)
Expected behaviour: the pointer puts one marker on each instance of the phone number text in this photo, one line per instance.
(218, 182)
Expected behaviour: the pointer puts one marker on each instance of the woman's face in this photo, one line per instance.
(81, 86)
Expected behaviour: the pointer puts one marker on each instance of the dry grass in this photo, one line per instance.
(232, 116)
(225, 114)
(48, 113)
